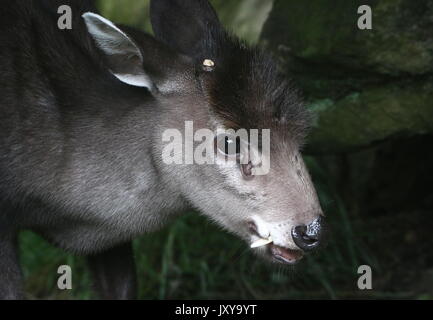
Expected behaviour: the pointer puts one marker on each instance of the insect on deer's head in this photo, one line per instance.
(198, 72)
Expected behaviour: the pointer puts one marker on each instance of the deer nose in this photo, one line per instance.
(308, 237)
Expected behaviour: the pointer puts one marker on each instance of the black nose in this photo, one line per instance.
(308, 237)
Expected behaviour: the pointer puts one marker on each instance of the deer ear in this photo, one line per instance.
(123, 56)
(184, 25)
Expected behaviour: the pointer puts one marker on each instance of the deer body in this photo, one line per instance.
(85, 145)
(82, 114)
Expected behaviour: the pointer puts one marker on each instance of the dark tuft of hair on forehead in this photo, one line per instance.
(247, 91)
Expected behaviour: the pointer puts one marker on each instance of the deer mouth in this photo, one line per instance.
(277, 253)
(284, 255)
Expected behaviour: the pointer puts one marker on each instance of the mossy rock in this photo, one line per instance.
(324, 31)
(365, 86)
(364, 118)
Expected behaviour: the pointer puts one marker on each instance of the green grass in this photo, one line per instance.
(193, 259)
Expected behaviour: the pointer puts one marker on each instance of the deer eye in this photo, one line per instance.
(228, 145)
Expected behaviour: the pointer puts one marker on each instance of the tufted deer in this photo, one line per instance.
(83, 113)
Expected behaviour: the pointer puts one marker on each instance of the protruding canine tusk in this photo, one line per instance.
(261, 242)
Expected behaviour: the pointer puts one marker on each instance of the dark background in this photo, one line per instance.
(370, 154)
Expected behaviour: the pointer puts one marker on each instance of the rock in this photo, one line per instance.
(326, 32)
(364, 86)
(373, 115)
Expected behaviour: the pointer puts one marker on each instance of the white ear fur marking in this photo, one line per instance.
(135, 80)
(108, 41)
(114, 41)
